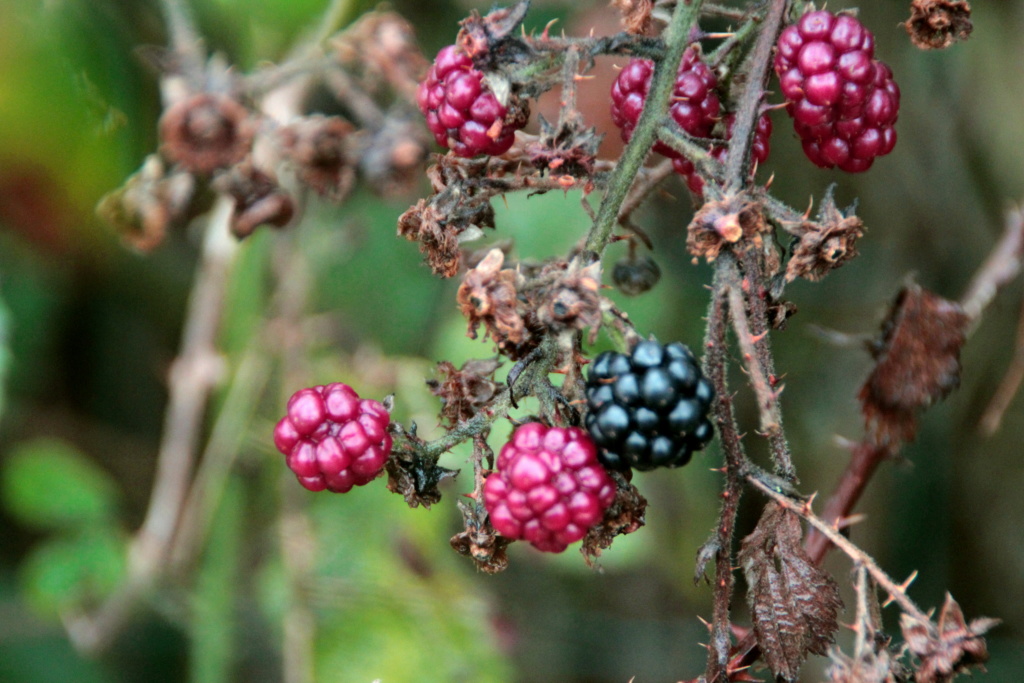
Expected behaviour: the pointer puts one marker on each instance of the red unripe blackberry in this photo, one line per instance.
(759, 151)
(462, 112)
(648, 409)
(843, 101)
(547, 487)
(694, 106)
(332, 439)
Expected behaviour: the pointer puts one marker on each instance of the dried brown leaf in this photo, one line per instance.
(917, 362)
(793, 604)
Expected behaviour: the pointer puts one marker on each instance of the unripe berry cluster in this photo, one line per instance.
(462, 112)
(843, 101)
(695, 107)
(332, 439)
(548, 487)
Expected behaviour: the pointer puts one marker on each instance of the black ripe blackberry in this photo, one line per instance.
(649, 408)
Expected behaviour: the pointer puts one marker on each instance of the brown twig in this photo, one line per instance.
(1007, 390)
(193, 374)
(1001, 267)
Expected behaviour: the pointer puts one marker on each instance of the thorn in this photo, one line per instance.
(902, 588)
(544, 34)
(704, 621)
(807, 213)
(847, 522)
(771, 179)
(758, 337)
(584, 77)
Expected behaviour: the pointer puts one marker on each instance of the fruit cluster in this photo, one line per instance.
(648, 409)
(332, 439)
(462, 112)
(695, 107)
(843, 101)
(548, 487)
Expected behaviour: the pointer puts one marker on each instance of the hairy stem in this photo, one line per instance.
(715, 366)
(662, 82)
(749, 106)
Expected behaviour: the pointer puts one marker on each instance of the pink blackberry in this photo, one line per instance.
(843, 101)
(332, 439)
(548, 487)
(462, 112)
(759, 151)
(695, 105)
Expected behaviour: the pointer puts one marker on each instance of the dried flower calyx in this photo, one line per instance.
(824, 244)
(456, 213)
(317, 146)
(149, 202)
(723, 222)
(205, 132)
(489, 296)
(465, 391)
(259, 200)
(937, 24)
(951, 647)
(479, 541)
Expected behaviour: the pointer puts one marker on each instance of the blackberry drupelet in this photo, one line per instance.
(648, 409)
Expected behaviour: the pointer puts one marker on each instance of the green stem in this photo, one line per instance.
(677, 36)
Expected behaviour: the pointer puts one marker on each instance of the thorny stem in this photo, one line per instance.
(676, 40)
(715, 366)
(739, 37)
(767, 401)
(896, 591)
(750, 103)
(642, 189)
(755, 276)
(690, 147)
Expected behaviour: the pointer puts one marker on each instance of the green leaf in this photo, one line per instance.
(71, 571)
(47, 483)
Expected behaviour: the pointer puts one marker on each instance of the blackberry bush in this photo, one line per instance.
(649, 408)
(227, 135)
(332, 439)
(844, 102)
(548, 487)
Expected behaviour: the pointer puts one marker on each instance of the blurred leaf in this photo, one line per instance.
(47, 483)
(67, 572)
(5, 353)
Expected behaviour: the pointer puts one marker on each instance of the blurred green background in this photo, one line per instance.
(88, 329)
